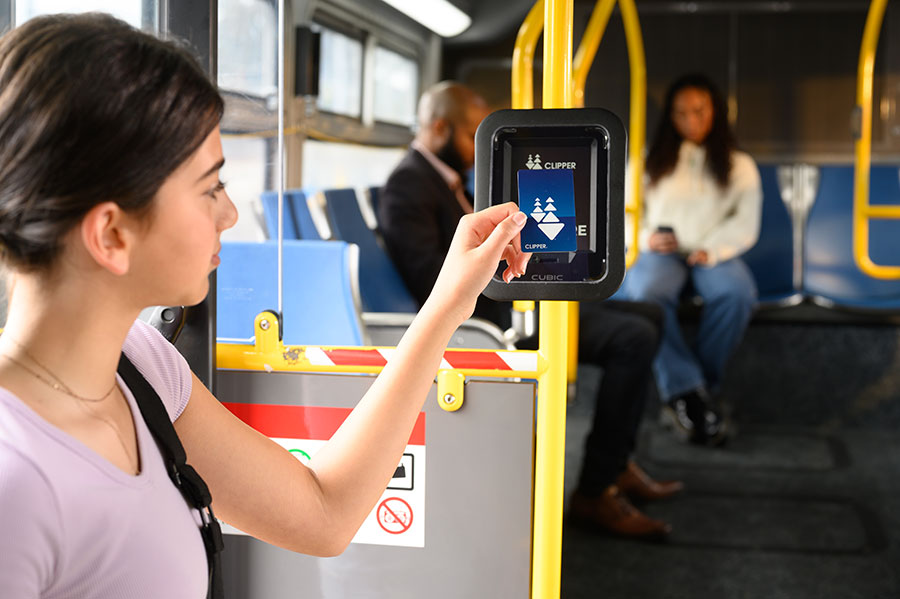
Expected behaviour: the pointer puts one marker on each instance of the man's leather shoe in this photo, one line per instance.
(637, 484)
(612, 512)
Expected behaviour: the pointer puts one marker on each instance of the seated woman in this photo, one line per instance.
(702, 208)
(110, 201)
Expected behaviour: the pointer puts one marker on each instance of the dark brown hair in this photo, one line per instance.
(719, 143)
(91, 110)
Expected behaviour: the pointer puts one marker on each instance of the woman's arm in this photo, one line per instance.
(263, 490)
(739, 232)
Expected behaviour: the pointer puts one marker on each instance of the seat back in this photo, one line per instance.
(771, 260)
(372, 195)
(320, 305)
(306, 222)
(381, 287)
(270, 214)
(830, 271)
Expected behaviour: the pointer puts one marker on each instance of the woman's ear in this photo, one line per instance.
(108, 236)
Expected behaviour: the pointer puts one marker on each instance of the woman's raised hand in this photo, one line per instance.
(481, 241)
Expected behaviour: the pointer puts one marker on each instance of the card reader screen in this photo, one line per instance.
(547, 196)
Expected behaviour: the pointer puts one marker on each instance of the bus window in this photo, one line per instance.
(130, 11)
(247, 47)
(396, 87)
(329, 165)
(340, 79)
(247, 78)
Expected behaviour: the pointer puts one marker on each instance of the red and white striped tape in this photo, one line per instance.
(456, 359)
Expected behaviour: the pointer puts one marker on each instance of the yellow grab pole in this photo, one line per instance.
(523, 79)
(637, 123)
(862, 210)
(587, 49)
(581, 65)
(523, 57)
(572, 342)
(553, 330)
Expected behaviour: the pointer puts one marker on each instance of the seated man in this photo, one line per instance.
(418, 211)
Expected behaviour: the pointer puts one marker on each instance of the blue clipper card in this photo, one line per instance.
(548, 198)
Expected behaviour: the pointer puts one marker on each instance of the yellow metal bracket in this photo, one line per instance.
(450, 388)
(863, 210)
(268, 332)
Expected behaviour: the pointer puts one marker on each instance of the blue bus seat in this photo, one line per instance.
(372, 197)
(306, 220)
(270, 213)
(381, 287)
(320, 301)
(771, 260)
(831, 277)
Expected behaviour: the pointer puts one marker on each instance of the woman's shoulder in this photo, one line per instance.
(741, 160)
(160, 363)
(29, 509)
(743, 169)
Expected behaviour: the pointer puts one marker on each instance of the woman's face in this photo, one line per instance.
(181, 244)
(692, 114)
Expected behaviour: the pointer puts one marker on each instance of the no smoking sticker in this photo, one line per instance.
(395, 516)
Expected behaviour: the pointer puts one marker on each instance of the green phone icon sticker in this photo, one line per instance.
(301, 452)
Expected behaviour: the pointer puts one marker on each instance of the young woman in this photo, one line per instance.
(110, 201)
(703, 203)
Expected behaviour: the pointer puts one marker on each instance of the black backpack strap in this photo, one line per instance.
(183, 476)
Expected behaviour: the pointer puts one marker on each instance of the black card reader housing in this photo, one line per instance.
(590, 142)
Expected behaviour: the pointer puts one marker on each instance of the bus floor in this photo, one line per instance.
(804, 502)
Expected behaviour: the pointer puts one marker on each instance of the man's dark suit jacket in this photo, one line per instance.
(417, 216)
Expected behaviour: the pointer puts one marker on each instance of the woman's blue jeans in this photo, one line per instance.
(729, 296)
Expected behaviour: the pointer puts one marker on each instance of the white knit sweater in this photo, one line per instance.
(704, 216)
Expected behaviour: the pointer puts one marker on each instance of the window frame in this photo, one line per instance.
(409, 41)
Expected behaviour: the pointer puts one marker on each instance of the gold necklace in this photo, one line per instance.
(57, 384)
(83, 404)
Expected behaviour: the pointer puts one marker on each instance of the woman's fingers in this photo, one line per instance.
(481, 225)
(516, 260)
(504, 233)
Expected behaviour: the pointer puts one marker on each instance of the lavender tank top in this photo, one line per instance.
(72, 525)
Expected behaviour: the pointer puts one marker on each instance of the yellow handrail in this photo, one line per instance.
(523, 78)
(551, 407)
(523, 57)
(862, 209)
(637, 121)
(587, 49)
(584, 59)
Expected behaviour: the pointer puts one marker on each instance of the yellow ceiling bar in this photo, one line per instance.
(862, 210)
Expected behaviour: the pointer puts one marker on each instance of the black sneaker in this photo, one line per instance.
(695, 419)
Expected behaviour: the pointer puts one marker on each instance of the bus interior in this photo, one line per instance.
(320, 107)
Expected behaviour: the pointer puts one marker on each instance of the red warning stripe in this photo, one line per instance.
(475, 360)
(315, 423)
(356, 357)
